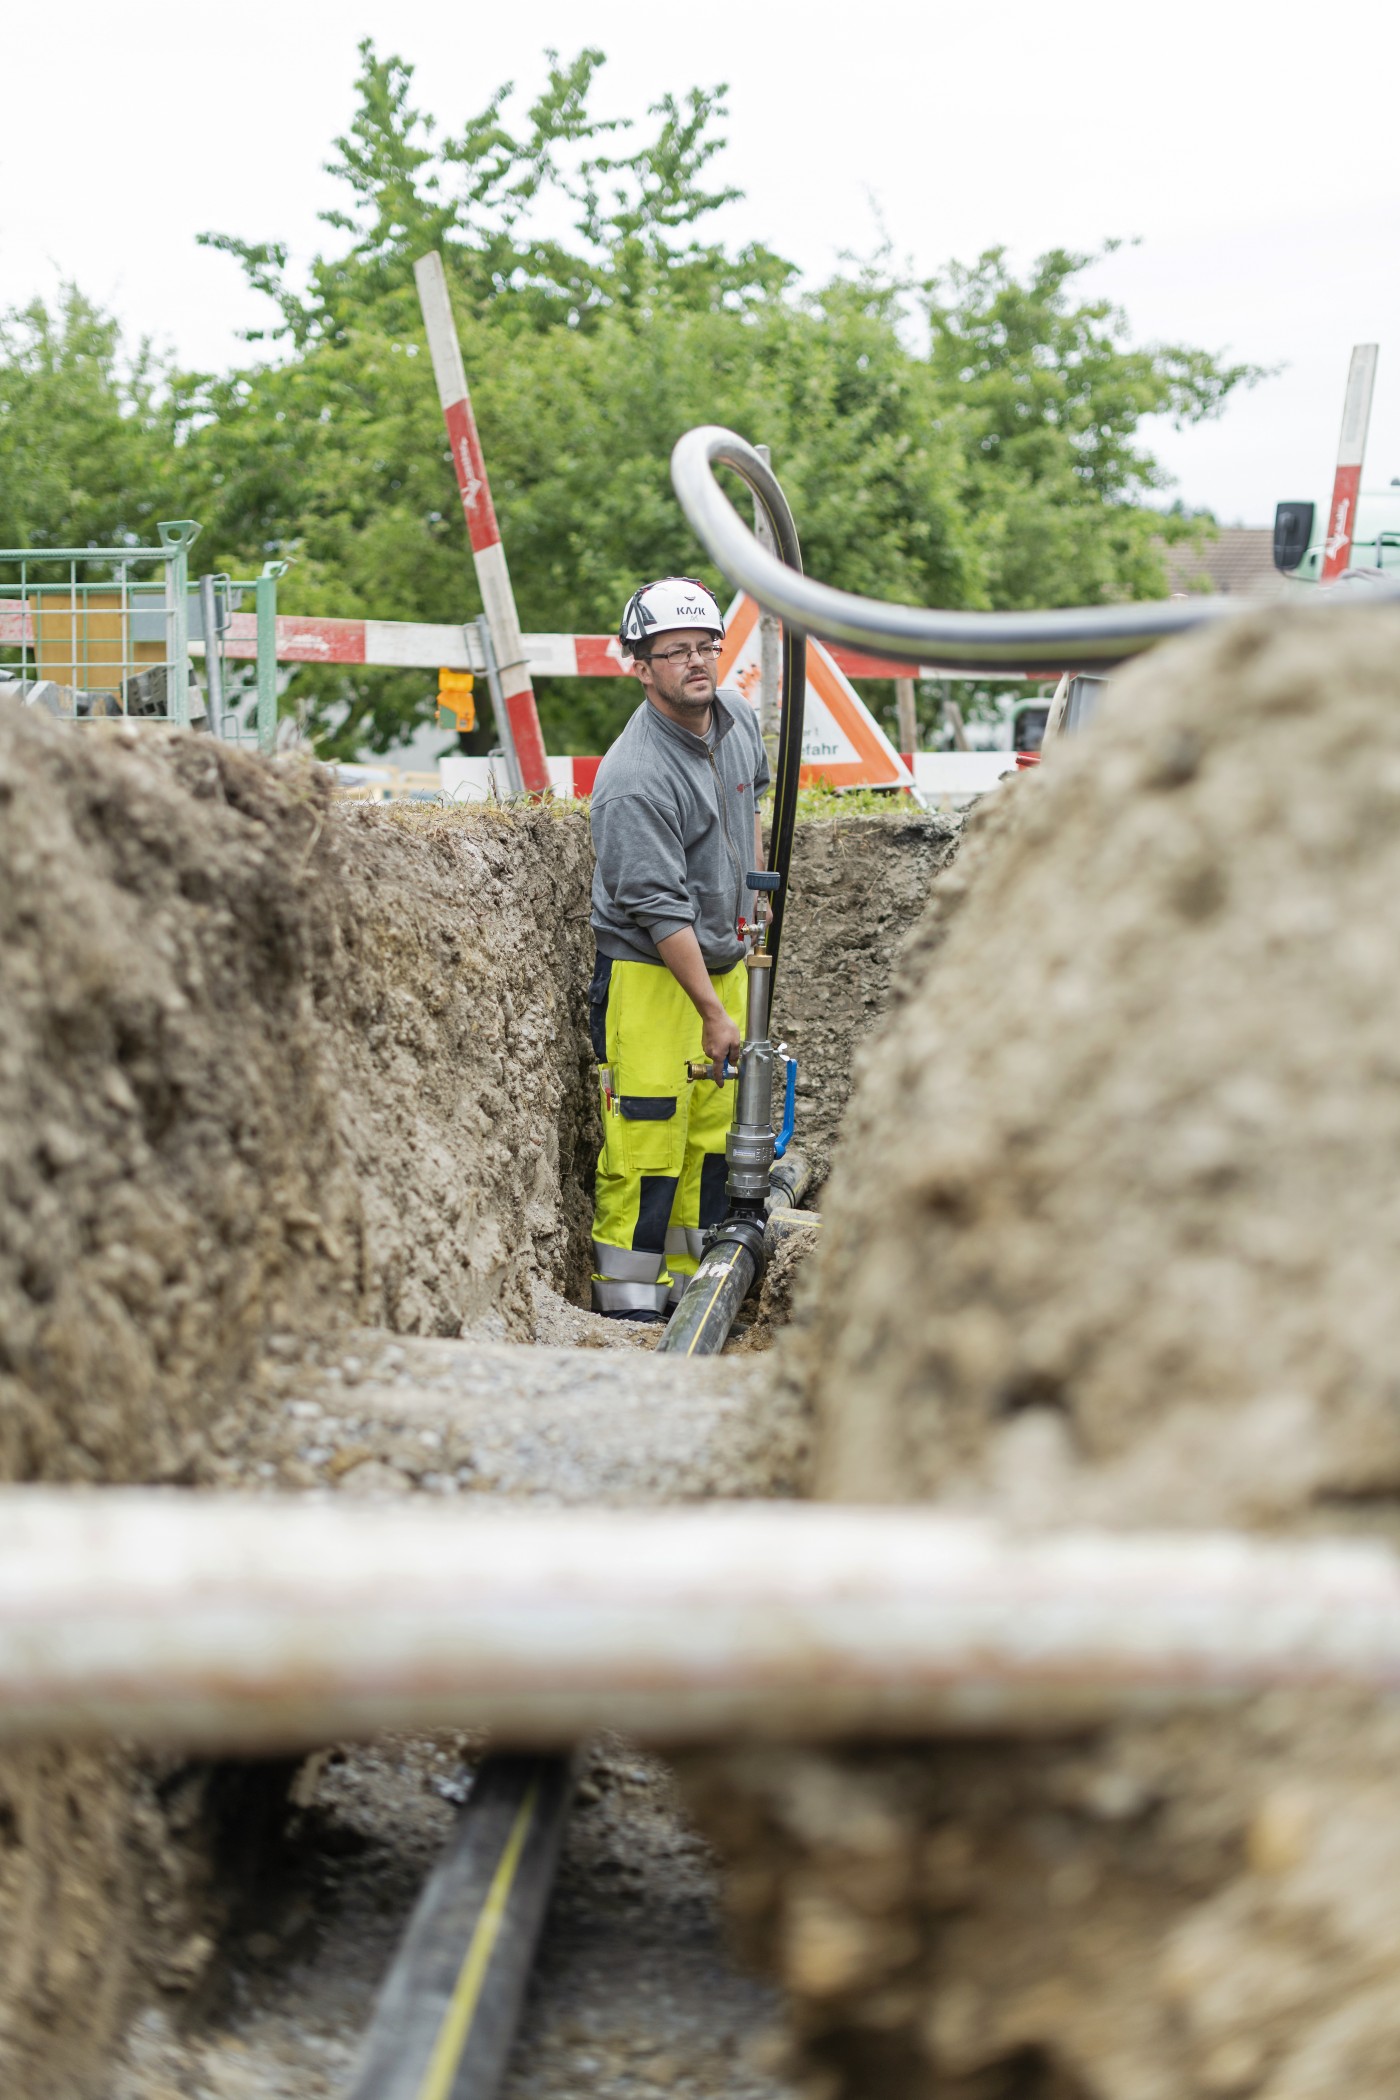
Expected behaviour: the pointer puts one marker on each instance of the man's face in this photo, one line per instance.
(676, 673)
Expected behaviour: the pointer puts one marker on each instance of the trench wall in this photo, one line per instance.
(264, 1060)
(1111, 1239)
(265, 1063)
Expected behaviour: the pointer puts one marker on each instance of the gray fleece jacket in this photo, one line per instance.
(672, 821)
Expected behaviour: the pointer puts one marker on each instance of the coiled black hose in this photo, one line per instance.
(1078, 638)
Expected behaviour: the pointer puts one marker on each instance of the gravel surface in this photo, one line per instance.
(380, 1416)
(636, 1993)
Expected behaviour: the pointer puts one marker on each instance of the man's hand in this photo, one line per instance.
(719, 1039)
(719, 1032)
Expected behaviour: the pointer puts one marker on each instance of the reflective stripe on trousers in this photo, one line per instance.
(627, 1264)
(661, 1172)
(610, 1297)
(686, 1240)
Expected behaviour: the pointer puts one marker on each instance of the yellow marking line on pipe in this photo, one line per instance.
(455, 2032)
(695, 1339)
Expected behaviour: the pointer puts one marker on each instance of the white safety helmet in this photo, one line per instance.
(676, 601)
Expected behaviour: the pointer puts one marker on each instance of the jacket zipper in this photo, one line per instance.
(724, 827)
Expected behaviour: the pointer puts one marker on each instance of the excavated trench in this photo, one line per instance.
(295, 1129)
(296, 1137)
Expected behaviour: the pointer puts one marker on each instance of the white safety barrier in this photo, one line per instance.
(241, 1623)
(956, 776)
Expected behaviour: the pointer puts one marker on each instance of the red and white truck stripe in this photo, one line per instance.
(492, 575)
(1356, 417)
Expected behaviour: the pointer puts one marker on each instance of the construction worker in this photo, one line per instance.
(675, 830)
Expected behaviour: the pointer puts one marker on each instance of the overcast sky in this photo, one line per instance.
(1252, 150)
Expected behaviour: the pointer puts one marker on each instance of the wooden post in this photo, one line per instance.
(904, 693)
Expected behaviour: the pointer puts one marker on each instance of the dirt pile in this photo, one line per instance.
(262, 1060)
(260, 1055)
(1112, 1238)
(1124, 1162)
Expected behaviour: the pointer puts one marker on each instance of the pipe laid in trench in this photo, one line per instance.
(446, 2016)
(700, 1324)
(230, 1624)
(445, 2019)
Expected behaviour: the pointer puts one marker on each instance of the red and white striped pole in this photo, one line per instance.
(492, 575)
(1356, 417)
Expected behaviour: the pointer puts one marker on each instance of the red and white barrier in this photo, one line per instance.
(1356, 418)
(523, 723)
(425, 645)
(417, 645)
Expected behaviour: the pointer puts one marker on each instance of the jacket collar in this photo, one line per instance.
(723, 723)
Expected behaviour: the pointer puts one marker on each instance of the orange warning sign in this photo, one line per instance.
(842, 743)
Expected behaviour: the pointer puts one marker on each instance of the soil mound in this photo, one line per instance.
(262, 1059)
(258, 1056)
(1124, 1160)
(1112, 1237)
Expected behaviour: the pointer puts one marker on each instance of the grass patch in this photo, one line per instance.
(854, 802)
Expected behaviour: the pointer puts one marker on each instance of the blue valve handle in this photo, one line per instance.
(789, 1111)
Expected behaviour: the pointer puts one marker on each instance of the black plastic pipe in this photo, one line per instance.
(447, 2013)
(700, 1324)
(733, 451)
(734, 1259)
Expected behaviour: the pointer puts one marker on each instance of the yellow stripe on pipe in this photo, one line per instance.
(455, 2031)
(695, 1338)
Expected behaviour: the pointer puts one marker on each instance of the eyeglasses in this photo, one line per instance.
(706, 651)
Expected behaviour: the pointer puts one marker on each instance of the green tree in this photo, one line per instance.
(998, 462)
(87, 436)
(1052, 398)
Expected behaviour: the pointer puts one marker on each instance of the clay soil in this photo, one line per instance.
(287, 1086)
(1112, 1238)
(264, 1064)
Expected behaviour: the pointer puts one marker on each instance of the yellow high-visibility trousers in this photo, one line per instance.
(661, 1172)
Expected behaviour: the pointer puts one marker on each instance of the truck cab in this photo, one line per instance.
(1300, 531)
